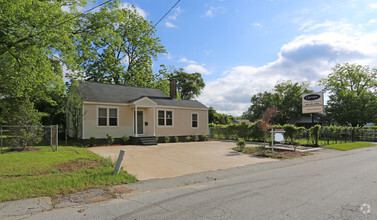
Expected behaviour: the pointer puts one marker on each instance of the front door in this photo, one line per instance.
(140, 122)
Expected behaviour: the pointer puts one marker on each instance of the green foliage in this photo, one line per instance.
(204, 137)
(353, 99)
(74, 112)
(241, 143)
(262, 151)
(189, 85)
(188, 139)
(167, 139)
(195, 137)
(157, 139)
(92, 141)
(218, 118)
(315, 134)
(26, 119)
(119, 48)
(110, 139)
(125, 139)
(286, 97)
(175, 139)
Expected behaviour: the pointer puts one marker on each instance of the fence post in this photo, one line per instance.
(50, 135)
(57, 137)
(1, 134)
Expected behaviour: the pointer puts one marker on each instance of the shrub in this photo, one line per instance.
(241, 143)
(195, 137)
(188, 139)
(110, 139)
(175, 139)
(92, 141)
(166, 139)
(261, 151)
(156, 139)
(125, 139)
(204, 137)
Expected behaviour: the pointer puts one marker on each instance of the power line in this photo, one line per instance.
(166, 13)
(57, 25)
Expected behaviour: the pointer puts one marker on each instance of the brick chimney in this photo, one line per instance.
(173, 88)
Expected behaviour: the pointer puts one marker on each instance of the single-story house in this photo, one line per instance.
(137, 112)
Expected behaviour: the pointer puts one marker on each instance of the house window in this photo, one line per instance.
(194, 120)
(102, 117)
(113, 117)
(165, 118)
(107, 116)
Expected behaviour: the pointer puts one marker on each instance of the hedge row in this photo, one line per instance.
(313, 135)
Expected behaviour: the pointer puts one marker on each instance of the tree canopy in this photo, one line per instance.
(285, 97)
(35, 39)
(353, 98)
(218, 118)
(117, 45)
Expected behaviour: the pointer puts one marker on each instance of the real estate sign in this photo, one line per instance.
(312, 103)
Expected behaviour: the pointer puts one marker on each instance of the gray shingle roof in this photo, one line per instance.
(102, 92)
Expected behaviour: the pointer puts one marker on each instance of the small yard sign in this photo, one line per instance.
(312, 103)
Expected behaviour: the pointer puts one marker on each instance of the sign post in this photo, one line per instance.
(312, 103)
(119, 162)
(277, 135)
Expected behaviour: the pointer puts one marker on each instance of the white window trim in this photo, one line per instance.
(197, 119)
(165, 110)
(108, 117)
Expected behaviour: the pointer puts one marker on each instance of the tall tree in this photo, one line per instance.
(35, 37)
(117, 46)
(218, 118)
(189, 85)
(286, 97)
(353, 97)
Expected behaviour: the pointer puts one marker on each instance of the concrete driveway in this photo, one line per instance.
(177, 159)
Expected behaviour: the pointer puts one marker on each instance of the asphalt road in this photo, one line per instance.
(327, 185)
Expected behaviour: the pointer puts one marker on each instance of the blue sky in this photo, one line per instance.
(243, 47)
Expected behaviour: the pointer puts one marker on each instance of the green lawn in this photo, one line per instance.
(349, 146)
(47, 173)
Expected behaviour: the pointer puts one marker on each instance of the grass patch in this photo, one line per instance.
(46, 173)
(349, 146)
(261, 151)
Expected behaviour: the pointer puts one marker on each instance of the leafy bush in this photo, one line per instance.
(241, 143)
(92, 141)
(262, 151)
(204, 137)
(188, 139)
(110, 139)
(125, 139)
(175, 139)
(195, 137)
(166, 139)
(157, 139)
(315, 133)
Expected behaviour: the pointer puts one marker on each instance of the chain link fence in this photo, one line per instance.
(17, 138)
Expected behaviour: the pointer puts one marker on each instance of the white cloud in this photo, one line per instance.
(307, 57)
(140, 11)
(212, 11)
(374, 5)
(192, 68)
(170, 25)
(256, 24)
(185, 60)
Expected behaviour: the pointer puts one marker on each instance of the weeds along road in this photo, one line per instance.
(327, 185)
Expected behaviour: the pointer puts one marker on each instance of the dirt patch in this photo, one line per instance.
(77, 165)
(276, 154)
(122, 190)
